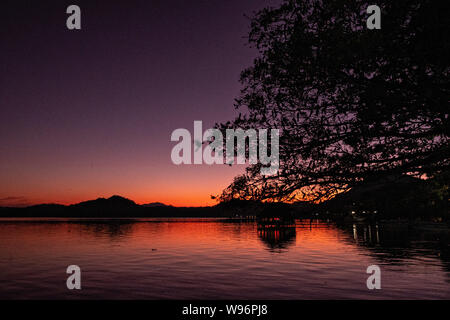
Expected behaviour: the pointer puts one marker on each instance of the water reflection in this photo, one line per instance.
(214, 259)
(401, 243)
(115, 230)
(277, 238)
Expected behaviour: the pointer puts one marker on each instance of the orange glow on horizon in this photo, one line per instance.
(186, 200)
(168, 184)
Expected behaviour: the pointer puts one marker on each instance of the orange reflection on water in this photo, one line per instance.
(204, 258)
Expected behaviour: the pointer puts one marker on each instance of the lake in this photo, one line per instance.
(216, 259)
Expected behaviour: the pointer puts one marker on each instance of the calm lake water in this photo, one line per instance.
(213, 259)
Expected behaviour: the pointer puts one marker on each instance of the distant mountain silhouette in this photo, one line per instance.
(115, 206)
(112, 203)
(155, 204)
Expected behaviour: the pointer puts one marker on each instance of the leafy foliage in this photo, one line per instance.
(352, 104)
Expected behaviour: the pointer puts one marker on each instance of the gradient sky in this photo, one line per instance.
(89, 113)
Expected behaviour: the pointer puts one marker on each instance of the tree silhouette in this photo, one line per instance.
(352, 104)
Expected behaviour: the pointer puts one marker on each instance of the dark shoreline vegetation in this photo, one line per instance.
(403, 199)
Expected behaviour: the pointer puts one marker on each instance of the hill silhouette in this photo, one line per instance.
(405, 197)
(155, 204)
(112, 207)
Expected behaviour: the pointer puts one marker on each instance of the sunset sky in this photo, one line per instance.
(89, 113)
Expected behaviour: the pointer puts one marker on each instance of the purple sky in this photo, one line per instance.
(89, 113)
